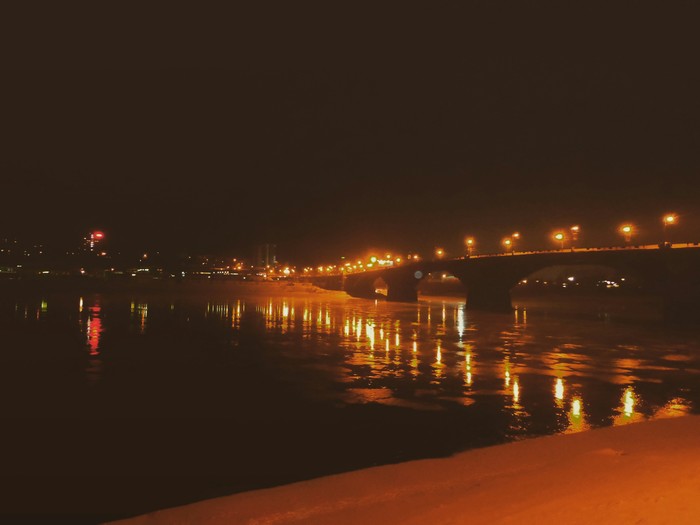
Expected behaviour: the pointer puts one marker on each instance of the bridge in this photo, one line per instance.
(671, 272)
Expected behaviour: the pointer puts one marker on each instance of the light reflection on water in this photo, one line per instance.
(544, 375)
(397, 355)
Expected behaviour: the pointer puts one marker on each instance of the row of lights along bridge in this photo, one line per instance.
(561, 237)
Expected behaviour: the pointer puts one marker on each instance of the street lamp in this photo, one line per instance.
(513, 238)
(670, 219)
(469, 241)
(575, 230)
(440, 253)
(627, 230)
(560, 237)
(508, 243)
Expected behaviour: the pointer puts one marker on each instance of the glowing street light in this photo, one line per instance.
(508, 243)
(627, 230)
(575, 230)
(513, 238)
(670, 219)
(560, 238)
(439, 253)
(469, 241)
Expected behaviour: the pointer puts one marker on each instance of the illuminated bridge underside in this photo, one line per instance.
(674, 274)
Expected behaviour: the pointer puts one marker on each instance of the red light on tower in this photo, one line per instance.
(94, 238)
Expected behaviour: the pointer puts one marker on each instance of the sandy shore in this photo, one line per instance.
(641, 473)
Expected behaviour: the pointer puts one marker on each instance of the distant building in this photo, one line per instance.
(92, 241)
(266, 256)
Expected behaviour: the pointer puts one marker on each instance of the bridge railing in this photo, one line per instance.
(659, 246)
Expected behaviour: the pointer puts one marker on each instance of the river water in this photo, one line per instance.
(123, 402)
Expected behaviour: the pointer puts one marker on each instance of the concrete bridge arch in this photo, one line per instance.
(673, 273)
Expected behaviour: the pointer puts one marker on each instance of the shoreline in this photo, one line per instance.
(642, 472)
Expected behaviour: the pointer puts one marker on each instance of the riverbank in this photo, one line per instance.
(640, 473)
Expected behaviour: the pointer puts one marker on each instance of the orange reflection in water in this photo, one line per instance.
(375, 351)
(520, 415)
(140, 311)
(626, 412)
(576, 417)
(676, 407)
(461, 324)
(438, 366)
(94, 328)
(559, 392)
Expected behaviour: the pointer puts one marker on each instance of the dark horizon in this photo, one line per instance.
(333, 147)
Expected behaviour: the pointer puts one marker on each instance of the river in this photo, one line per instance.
(122, 402)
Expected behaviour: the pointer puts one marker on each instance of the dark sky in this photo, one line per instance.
(332, 132)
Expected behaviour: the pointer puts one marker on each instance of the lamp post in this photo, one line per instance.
(670, 219)
(575, 230)
(508, 243)
(469, 241)
(560, 238)
(513, 238)
(627, 230)
(439, 253)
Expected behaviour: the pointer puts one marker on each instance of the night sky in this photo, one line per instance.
(343, 131)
